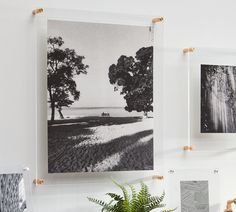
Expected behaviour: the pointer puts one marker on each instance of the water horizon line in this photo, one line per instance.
(114, 107)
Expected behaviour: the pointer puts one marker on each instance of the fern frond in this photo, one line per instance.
(143, 194)
(141, 199)
(154, 205)
(107, 207)
(133, 201)
(118, 207)
(133, 191)
(126, 203)
(157, 198)
(155, 202)
(170, 210)
(97, 201)
(124, 190)
(114, 196)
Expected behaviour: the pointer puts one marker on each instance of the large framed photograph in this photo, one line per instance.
(14, 190)
(99, 97)
(194, 190)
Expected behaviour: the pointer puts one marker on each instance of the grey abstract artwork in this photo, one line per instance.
(12, 193)
(194, 196)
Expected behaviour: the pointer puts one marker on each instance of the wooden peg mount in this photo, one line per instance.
(37, 11)
(187, 148)
(157, 177)
(38, 181)
(157, 20)
(188, 50)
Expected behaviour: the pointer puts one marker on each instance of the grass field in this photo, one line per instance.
(100, 144)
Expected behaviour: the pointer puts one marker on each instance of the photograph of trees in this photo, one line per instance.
(100, 97)
(218, 99)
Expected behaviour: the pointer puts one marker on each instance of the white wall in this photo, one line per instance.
(187, 23)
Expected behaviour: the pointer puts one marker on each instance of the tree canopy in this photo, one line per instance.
(63, 64)
(135, 78)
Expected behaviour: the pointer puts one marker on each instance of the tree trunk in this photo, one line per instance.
(53, 111)
(60, 113)
(52, 105)
(145, 114)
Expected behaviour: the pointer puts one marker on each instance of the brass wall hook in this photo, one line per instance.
(188, 50)
(37, 11)
(38, 181)
(157, 20)
(188, 148)
(157, 177)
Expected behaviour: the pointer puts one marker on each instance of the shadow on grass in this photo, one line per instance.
(63, 132)
(67, 157)
(62, 129)
(140, 158)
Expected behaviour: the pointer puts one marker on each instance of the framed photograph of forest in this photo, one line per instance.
(99, 97)
(212, 99)
(218, 99)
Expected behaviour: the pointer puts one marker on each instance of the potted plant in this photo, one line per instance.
(141, 201)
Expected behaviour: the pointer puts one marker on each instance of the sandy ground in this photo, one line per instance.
(103, 134)
(107, 147)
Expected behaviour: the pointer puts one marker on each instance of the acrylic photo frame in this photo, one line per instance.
(16, 182)
(186, 187)
(195, 62)
(90, 17)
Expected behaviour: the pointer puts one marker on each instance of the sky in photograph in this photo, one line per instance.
(101, 45)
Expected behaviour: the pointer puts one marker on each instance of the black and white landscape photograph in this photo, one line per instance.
(218, 99)
(12, 193)
(194, 196)
(100, 97)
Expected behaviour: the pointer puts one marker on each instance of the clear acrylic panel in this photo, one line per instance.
(211, 104)
(193, 189)
(76, 194)
(156, 31)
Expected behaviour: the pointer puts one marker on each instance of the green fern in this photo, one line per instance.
(141, 201)
(126, 201)
(105, 206)
(115, 196)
